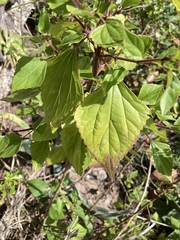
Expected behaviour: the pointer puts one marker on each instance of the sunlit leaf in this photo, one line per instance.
(170, 96)
(129, 3)
(177, 4)
(151, 93)
(61, 89)
(110, 124)
(30, 73)
(109, 34)
(135, 46)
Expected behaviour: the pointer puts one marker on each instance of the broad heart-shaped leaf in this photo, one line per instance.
(39, 152)
(109, 34)
(135, 46)
(110, 124)
(30, 73)
(12, 147)
(4, 141)
(170, 96)
(151, 93)
(129, 3)
(162, 158)
(74, 147)
(61, 89)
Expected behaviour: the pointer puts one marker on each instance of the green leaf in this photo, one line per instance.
(57, 30)
(12, 147)
(22, 94)
(110, 124)
(28, 109)
(170, 96)
(37, 187)
(16, 119)
(30, 73)
(151, 93)
(75, 149)
(86, 13)
(4, 141)
(71, 37)
(43, 133)
(56, 155)
(3, 1)
(177, 4)
(151, 125)
(44, 22)
(56, 3)
(56, 210)
(129, 3)
(162, 158)
(39, 153)
(109, 34)
(61, 89)
(135, 46)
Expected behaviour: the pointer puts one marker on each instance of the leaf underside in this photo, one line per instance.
(109, 125)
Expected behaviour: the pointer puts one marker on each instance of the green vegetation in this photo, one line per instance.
(103, 76)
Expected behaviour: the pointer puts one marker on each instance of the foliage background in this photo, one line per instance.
(148, 201)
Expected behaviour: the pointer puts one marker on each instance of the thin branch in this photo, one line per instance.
(138, 205)
(77, 3)
(145, 61)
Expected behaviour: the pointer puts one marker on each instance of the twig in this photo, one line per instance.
(103, 194)
(51, 201)
(138, 205)
(145, 61)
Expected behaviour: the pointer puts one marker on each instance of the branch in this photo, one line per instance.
(77, 3)
(145, 61)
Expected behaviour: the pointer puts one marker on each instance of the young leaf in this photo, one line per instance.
(75, 149)
(30, 73)
(170, 96)
(109, 34)
(39, 152)
(56, 210)
(150, 93)
(12, 147)
(135, 46)
(110, 124)
(162, 158)
(61, 89)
